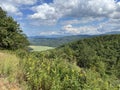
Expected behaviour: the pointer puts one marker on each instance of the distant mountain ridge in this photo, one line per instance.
(57, 40)
(113, 32)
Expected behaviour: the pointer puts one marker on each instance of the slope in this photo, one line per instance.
(98, 59)
(93, 51)
(10, 72)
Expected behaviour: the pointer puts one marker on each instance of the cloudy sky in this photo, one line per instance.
(64, 17)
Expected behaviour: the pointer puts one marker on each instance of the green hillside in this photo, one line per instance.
(88, 64)
(91, 52)
(97, 60)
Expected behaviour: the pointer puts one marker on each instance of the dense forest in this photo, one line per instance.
(87, 64)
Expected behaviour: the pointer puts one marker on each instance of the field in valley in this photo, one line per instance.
(40, 48)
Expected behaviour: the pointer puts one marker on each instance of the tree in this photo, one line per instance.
(11, 36)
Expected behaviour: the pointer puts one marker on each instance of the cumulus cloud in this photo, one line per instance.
(13, 6)
(44, 11)
(10, 8)
(82, 21)
(25, 2)
(48, 33)
(77, 9)
(69, 29)
(74, 21)
(83, 11)
(111, 25)
(39, 22)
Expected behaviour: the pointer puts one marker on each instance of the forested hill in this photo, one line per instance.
(102, 52)
(97, 60)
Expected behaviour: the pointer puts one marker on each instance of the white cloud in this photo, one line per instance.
(44, 11)
(74, 21)
(69, 29)
(48, 33)
(10, 8)
(39, 22)
(83, 12)
(76, 9)
(102, 7)
(25, 2)
(82, 21)
(44, 14)
(93, 8)
(91, 30)
(111, 25)
(13, 6)
(55, 10)
(115, 15)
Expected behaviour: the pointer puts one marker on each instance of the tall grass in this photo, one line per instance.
(8, 66)
(11, 69)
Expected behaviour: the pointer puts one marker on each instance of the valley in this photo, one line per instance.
(39, 48)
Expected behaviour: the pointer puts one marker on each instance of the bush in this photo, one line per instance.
(55, 74)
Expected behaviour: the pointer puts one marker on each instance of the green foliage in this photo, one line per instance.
(98, 59)
(11, 36)
(99, 54)
(88, 64)
(103, 49)
(54, 74)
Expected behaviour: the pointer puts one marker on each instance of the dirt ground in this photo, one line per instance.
(5, 85)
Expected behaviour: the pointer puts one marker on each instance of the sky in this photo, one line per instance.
(64, 17)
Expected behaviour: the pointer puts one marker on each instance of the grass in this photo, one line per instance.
(40, 48)
(10, 71)
(8, 65)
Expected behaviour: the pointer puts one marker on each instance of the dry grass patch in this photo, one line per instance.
(6, 85)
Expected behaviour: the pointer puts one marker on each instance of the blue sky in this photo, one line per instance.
(64, 17)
